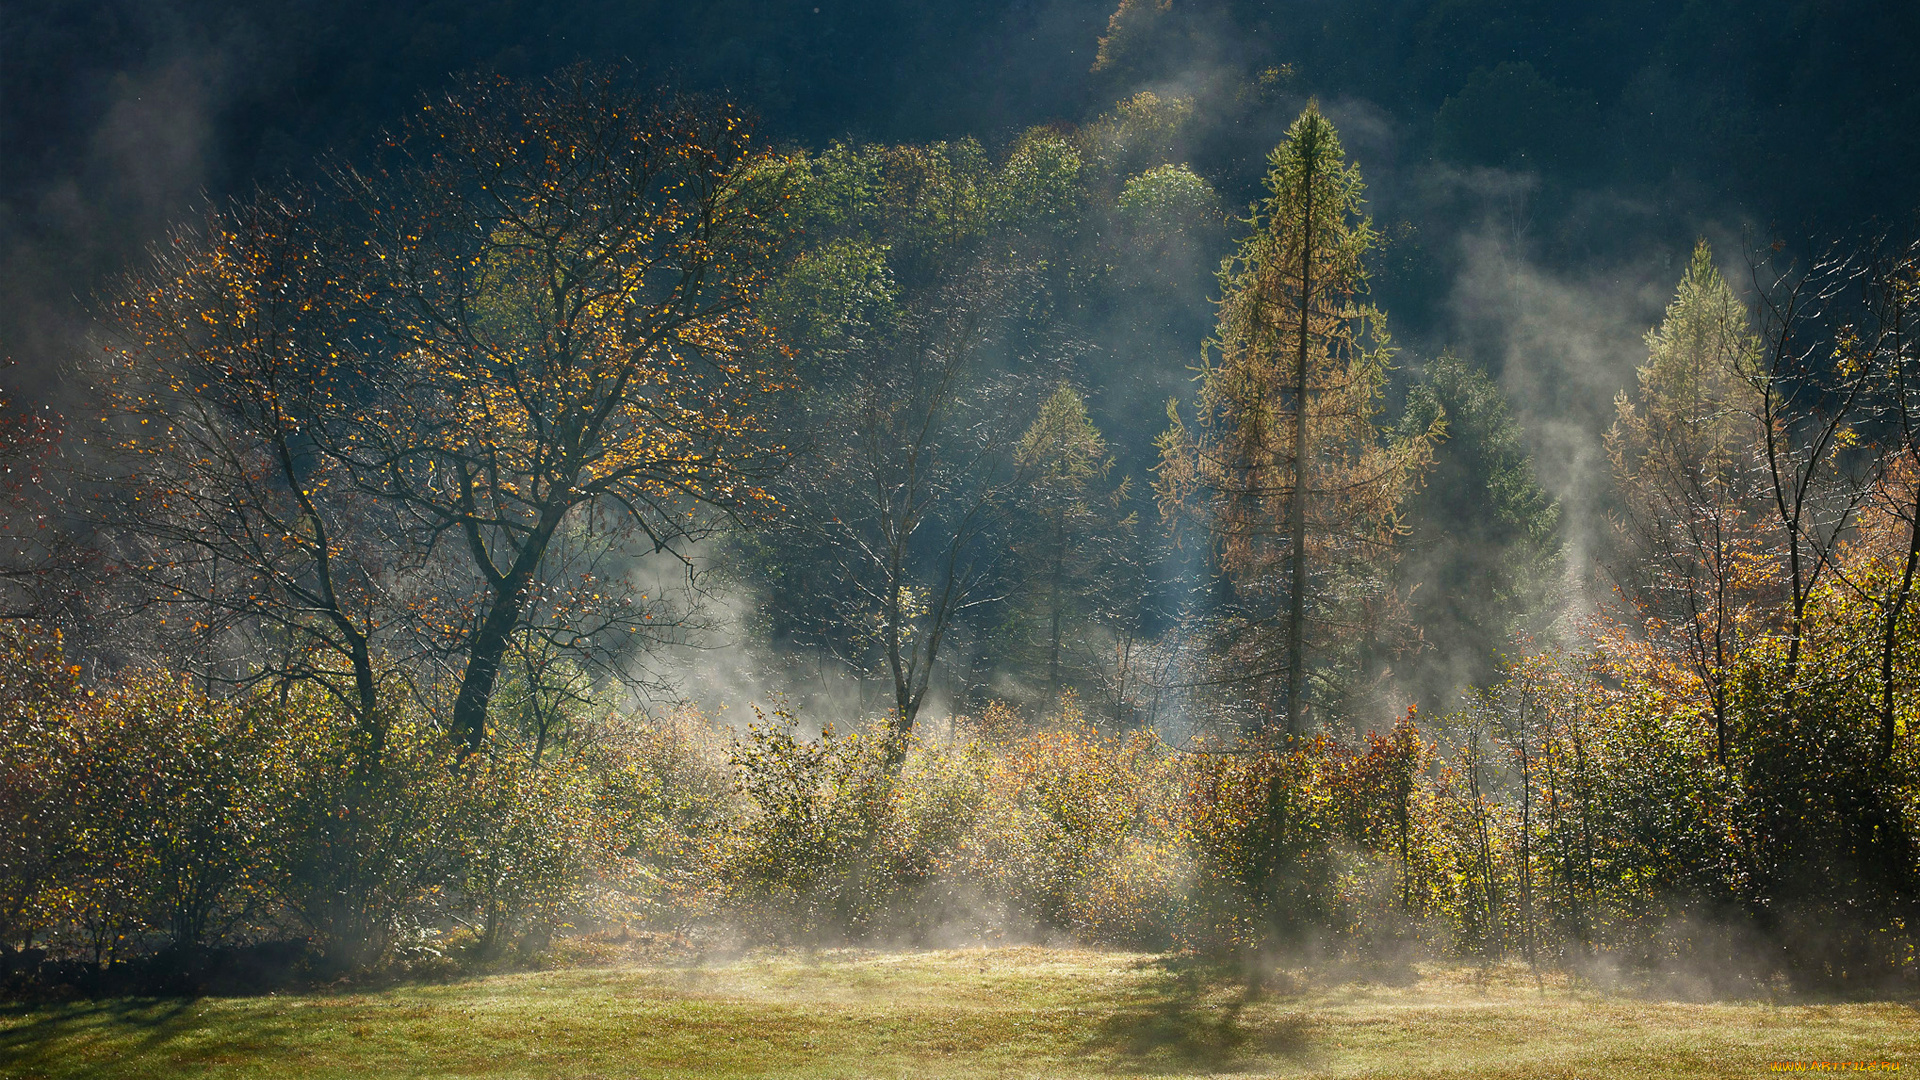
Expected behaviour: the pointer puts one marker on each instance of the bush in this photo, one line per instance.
(134, 814)
(1577, 809)
(44, 757)
(365, 846)
(182, 790)
(665, 788)
(1060, 831)
(1077, 834)
(533, 846)
(806, 856)
(1260, 826)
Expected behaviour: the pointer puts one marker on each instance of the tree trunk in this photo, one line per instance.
(367, 691)
(1889, 638)
(483, 665)
(1494, 939)
(1297, 509)
(1583, 789)
(1053, 641)
(1526, 843)
(489, 647)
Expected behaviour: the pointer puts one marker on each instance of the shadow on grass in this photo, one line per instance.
(133, 1036)
(40, 1039)
(1191, 1015)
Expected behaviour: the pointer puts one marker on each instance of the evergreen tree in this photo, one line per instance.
(1286, 463)
(1075, 572)
(1692, 494)
(1484, 546)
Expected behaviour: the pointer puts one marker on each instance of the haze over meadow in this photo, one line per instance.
(1390, 480)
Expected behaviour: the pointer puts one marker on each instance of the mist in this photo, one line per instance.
(916, 476)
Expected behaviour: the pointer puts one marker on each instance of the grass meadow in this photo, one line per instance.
(1006, 1012)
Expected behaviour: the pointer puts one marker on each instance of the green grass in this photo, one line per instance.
(1015, 1012)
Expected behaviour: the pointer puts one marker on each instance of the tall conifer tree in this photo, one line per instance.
(1074, 571)
(1685, 450)
(1297, 483)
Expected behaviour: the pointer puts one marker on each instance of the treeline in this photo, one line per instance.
(159, 839)
(332, 617)
(1614, 96)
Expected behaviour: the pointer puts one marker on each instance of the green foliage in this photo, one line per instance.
(1589, 809)
(43, 756)
(1830, 828)
(1483, 545)
(842, 287)
(1040, 188)
(1077, 833)
(1261, 824)
(144, 815)
(136, 812)
(363, 847)
(1166, 203)
(194, 782)
(531, 840)
(1696, 358)
(924, 307)
(1167, 220)
(807, 857)
(1285, 470)
(669, 791)
(1510, 117)
(1694, 552)
(1073, 579)
(1142, 133)
(1115, 839)
(1574, 809)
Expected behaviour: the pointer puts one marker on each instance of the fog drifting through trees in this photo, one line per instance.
(591, 508)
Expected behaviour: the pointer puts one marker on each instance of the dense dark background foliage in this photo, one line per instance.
(116, 113)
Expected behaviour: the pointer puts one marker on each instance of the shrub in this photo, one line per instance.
(805, 856)
(532, 845)
(183, 789)
(133, 814)
(364, 850)
(1076, 834)
(666, 788)
(1260, 824)
(44, 758)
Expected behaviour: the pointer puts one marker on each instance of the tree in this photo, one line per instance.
(1691, 488)
(1483, 545)
(566, 274)
(920, 314)
(1297, 485)
(901, 498)
(426, 412)
(37, 559)
(1071, 542)
(1880, 339)
(226, 493)
(1889, 337)
(1811, 383)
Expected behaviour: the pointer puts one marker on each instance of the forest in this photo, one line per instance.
(595, 498)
